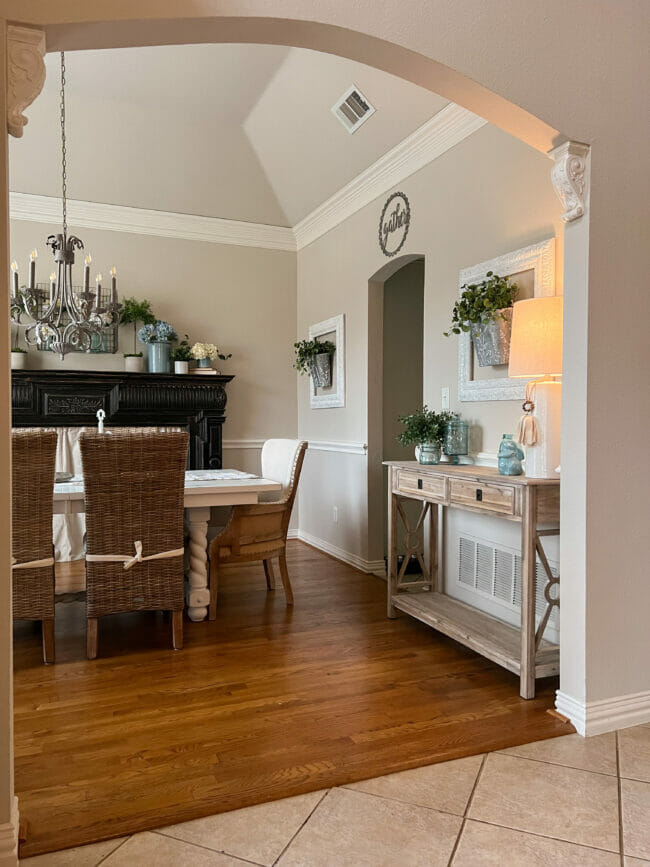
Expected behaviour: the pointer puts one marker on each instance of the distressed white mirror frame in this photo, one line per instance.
(540, 258)
(335, 396)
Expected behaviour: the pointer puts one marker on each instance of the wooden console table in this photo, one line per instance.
(481, 490)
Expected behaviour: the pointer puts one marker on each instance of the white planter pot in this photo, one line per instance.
(134, 364)
(18, 360)
(181, 367)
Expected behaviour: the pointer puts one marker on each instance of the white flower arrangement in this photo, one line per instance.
(204, 350)
(208, 350)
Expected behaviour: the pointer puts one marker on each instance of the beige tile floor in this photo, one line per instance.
(566, 801)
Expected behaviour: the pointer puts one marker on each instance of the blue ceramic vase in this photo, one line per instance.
(510, 457)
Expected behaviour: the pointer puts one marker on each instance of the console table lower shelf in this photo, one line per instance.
(534, 504)
(477, 630)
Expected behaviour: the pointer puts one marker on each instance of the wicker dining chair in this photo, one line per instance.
(259, 532)
(134, 485)
(33, 460)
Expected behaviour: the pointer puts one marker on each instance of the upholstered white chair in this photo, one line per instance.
(259, 532)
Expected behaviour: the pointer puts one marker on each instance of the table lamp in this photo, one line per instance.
(536, 351)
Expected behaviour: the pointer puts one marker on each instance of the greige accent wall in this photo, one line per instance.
(241, 298)
(487, 196)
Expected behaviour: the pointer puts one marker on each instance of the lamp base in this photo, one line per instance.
(543, 458)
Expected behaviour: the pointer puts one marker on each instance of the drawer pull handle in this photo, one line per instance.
(419, 484)
(479, 495)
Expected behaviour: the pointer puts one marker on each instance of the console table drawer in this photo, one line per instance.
(409, 482)
(492, 498)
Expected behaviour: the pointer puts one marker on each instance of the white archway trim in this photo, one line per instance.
(445, 129)
(25, 73)
(9, 839)
(569, 178)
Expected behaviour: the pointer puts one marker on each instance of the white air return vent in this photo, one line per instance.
(352, 109)
(495, 573)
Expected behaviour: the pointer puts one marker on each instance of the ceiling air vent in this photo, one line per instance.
(352, 109)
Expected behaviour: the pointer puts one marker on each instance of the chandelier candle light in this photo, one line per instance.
(82, 326)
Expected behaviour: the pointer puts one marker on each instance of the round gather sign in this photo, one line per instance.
(394, 224)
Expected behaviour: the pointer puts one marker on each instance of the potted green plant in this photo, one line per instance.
(425, 429)
(158, 336)
(134, 312)
(315, 358)
(181, 355)
(485, 310)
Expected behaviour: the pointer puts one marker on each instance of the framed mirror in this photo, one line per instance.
(533, 269)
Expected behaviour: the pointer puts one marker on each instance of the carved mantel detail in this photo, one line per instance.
(568, 176)
(25, 73)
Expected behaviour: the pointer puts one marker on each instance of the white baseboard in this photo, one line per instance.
(9, 839)
(370, 567)
(606, 715)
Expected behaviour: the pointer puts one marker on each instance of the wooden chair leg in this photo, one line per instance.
(177, 630)
(270, 575)
(288, 592)
(92, 637)
(48, 640)
(213, 578)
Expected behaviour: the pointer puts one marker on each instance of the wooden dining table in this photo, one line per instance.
(203, 490)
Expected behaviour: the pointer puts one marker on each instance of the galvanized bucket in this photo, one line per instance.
(321, 370)
(492, 339)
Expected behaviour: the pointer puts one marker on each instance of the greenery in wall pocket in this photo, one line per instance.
(315, 358)
(485, 310)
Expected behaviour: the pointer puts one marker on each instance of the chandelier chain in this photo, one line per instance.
(64, 179)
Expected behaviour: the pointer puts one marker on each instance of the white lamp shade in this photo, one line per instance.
(536, 341)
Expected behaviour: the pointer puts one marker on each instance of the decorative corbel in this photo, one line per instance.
(25, 73)
(568, 176)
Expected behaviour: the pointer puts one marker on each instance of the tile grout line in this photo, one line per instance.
(466, 811)
(545, 836)
(311, 813)
(348, 788)
(161, 833)
(113, 851)
(620, 801)
(553, 764)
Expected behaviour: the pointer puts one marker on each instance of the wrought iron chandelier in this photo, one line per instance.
(68, 320)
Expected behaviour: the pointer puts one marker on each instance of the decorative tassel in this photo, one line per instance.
(526, 432)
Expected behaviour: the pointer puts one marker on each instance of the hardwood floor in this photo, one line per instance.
(263, 703)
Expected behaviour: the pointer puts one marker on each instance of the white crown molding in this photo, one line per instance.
(25, 73)
(9, 839)
(140, 221)
(608, 715)
(445, 129)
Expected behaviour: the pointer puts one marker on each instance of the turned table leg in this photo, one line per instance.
(197, 594)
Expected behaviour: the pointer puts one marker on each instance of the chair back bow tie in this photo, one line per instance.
(131, 560)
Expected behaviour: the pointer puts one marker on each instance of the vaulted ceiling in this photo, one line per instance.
(242, 132)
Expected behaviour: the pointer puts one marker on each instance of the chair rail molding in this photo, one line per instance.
(570, 178)
(25, 73)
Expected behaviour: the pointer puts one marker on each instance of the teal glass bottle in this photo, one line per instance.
(510, 457)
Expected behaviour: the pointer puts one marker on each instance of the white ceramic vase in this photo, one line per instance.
(134, 363)
(181, 367)
(18, 360)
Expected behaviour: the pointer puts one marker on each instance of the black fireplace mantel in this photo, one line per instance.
(71, 398)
